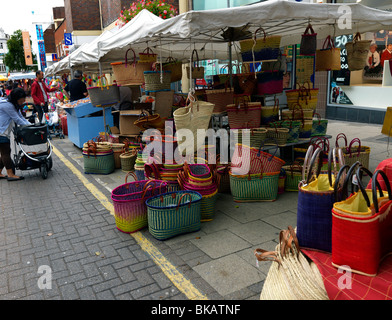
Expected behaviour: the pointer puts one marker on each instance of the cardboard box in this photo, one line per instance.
(163, 103)
(127, 119)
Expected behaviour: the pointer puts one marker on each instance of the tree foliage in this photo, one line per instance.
(15, 59)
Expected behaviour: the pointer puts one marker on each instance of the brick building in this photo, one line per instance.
(111, 10)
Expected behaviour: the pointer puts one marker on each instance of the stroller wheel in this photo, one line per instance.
(44, 171)
(49, 163)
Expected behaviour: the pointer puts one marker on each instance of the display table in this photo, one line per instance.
(85, 122)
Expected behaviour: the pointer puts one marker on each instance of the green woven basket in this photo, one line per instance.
(293, 177)
(101, 163)
(293, 126)
(319, 128)
(174, 213)
(254, 187)
(208, 207)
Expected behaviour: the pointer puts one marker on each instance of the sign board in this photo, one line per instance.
(41, 47)
(343, 75)
(68, 39)
(27, 48)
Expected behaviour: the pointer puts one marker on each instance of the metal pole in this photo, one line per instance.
(231, 64)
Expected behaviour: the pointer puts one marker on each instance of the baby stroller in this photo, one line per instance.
(28, 137)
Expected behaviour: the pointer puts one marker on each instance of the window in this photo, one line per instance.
(219, 4)
(1, 45)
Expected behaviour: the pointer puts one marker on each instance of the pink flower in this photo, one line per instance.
(164, 11)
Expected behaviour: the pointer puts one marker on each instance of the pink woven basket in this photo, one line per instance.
(245, 161)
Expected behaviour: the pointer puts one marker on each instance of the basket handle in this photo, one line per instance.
(357, 37)
(318, 153)
(318, 117)
(150, 168)
(107, 83)
(255, 34)
(350, 173)
(324, 143)
(263, 255)
(308, 156)
(145, 190)
(132, 174)
(197, 58)
(374, 191)
(276, 105)
(329, 42)
(340, 135)
(295, 165)
(309, 28)
(126, 58)
(351, 143)
(149, 51)
(179, 201)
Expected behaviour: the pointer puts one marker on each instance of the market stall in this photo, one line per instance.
(274, 118)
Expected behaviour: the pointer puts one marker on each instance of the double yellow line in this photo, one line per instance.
(176, 277)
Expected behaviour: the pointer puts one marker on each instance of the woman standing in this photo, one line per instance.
(9, 115)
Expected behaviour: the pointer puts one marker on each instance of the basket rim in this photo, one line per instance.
(174, 192)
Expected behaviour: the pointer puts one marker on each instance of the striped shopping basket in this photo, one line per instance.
(254, 187)
(252, 160)
(174, 213)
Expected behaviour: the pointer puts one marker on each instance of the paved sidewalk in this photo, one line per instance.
(58, 222)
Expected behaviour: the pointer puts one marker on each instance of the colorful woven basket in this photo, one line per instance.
(174, 213)
(208, 204)
(254, 187)
(130, 210)
(293, 176)
(319, 127)
(98, 163)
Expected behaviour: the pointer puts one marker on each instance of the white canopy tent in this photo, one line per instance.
(22, 75)
(203, 29)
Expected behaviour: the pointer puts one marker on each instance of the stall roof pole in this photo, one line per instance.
(231, 64)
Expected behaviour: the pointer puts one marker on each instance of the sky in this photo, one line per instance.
(21, 14)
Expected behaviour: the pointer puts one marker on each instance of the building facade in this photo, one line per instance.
(3, 51)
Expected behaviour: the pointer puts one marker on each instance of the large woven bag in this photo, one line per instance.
(308, 44)
(157, 80)
(319, 127)
(127, 73)
(130, 210)
(293, 126)
(328, 58)
(148, 55)
(352, 153)
(316, 195)
(291, 275)
(104, 94)
(193, 117)
(197, 71)
(128, 159)
(270, 113)
(175, 68)
(276, 135)
(220, 98)
(98, 160)
(357, 52)
(364, 215)
(254, 187)
(293, 176)
(174, 213)
(245, 160)
(245, 115)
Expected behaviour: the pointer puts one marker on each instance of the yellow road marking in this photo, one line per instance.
(176, 277)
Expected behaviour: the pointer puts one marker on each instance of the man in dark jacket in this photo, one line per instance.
(76, 89)
(39, 93)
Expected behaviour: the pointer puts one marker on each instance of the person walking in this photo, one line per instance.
(39, 93)
(10, 114)
(76, 89)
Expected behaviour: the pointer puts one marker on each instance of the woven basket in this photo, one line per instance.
(175, 67)
(224, 178)
(207, 209)
(104, 95)
(291, 275)
(153, 83)
(297, 113)
(220, 98)
(130, 211)
(117, 151)
(148, 55)
(293, 176)
(280, 135)
(293, 126)
(359, 153)
(270, 113)
(130, 73)
(197, 71)
(254, 187)
(98, 163)
(128, 160)
(328, 58)
(245, 115)
(257, 44)
(357, 52)
(174, 213)
(319, 127)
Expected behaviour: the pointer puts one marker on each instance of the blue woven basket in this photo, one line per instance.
(174, 213)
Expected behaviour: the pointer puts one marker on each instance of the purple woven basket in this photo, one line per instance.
(198, 170)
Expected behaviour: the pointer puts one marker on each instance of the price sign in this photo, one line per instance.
(343, 75)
